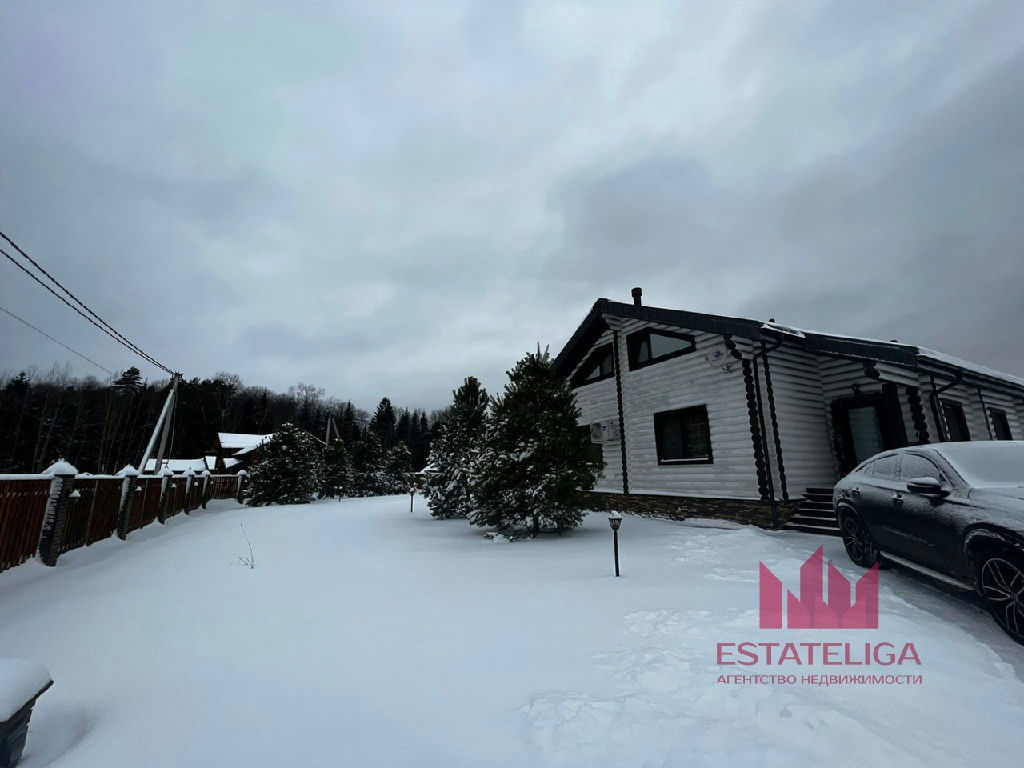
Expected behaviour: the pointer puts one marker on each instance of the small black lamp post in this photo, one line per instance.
(615, 520)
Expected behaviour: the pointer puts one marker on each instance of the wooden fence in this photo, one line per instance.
(91, 507)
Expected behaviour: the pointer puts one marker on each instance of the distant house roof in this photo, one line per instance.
(908, 355)
(239, 444)
(177, 465)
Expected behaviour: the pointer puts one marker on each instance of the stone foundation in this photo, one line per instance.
(746, 511)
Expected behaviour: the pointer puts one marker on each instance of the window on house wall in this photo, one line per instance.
(683, 436)
(956, 423)
(1000, 424)
(598, 366)
(596, 449)
(652, 346)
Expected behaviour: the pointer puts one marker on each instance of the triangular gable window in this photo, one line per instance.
(598, 366)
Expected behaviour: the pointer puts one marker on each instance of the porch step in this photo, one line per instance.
(820, 530)
(815, 514)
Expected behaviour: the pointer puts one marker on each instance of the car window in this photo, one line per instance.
(886, 467)
(918, 466)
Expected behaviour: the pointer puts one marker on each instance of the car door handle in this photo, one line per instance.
(897, 499)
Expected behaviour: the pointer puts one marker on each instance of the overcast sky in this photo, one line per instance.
(383, 198)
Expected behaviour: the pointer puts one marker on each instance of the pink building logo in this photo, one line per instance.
(811, 611)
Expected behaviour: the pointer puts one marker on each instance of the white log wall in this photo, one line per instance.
(804, 386)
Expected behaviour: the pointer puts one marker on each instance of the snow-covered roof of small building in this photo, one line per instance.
(177, 465)
(239, 442)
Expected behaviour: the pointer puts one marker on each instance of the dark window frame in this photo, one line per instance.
(961, 419)
(595, 357)
(1000, 424)
(664, 416)
(635, 339)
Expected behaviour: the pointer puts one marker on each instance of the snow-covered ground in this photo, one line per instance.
(366, 636)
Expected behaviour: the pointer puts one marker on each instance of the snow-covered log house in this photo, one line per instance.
(699, 414)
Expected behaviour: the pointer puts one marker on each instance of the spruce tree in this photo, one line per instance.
(457, 442)
(290, 469)
(383, 423)
(368, 465)
(535, 460)
(337, 471)
(398, 469)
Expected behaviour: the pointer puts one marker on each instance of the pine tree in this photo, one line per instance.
(128, 382)
(457, 442)
(337, 471)
(535, 461)
(290, 469)
(398, 469)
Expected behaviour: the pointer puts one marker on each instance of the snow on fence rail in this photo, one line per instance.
(58, 511)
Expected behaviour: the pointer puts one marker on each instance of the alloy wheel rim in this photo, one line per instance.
(1002, 585)
(855, 539)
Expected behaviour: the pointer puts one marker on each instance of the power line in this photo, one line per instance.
(55, 281)
(95, 319)
(24, 269)
(55, 341)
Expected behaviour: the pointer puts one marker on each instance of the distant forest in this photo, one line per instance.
(100, 427)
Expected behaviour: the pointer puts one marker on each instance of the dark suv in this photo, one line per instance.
(954, 511)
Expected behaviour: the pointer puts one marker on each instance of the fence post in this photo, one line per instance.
(56, 510)
(242, 476)
(165, 493)
(128, 489)
(190, 475)
(206, 487)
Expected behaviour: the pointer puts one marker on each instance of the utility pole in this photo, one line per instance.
(163, 427)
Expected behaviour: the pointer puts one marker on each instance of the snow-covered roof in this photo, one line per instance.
(981, 370)
(178, 465)
(20, 681)
(211, 463)
(855, 347)
(239, 442)
(229, 463)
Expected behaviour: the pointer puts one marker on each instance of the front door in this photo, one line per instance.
(861, 429)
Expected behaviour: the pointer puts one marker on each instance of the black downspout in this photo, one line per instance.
(622, 421)
(772, 414)
(764, 447)
(933, 398)
(984, 413)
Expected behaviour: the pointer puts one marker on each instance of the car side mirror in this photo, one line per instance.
(927, 486)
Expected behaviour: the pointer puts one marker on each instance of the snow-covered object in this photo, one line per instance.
(60, 467)
(241, 444)
(525, 654)
(128, 471)
(20, 680)
(454, 450)
(178, 465)
(166, 472)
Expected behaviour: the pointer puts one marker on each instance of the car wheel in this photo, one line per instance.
(857, 539)
(1001, 582)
